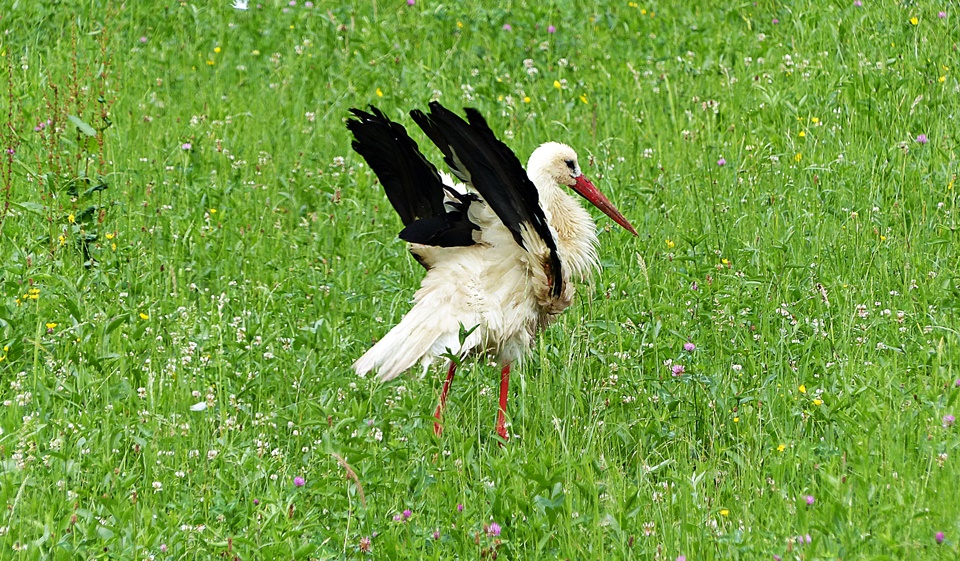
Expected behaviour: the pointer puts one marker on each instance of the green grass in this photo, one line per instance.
(816, 274)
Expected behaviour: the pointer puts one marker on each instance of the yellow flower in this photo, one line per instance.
(643, 12)
(556, 84)
(499, 98)
(71, 219)
(798, 157)
(803, 388)
(818, 402)
(213, 211)
(255, 52)
(942, 79)
(113, 246)
(62, 239)
(216, 49)
(379, 92)
(724, 512)
(109, 236)
(725, 261)
(914, 20)
(209, 63)
(814, 120)
(144, 316)
(526, 99)
(801, 134)
(781, 448)
(459, 25)
(883, 238)
(51, 325)
(583, 98)
(670, 243)
(736, 419)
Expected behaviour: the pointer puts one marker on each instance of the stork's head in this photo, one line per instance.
(558, 163)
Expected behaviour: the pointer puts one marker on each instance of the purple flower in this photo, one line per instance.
(721, 162)
(299, 481)
(922, 139)
(143, 39)
(807, 538)
(551, 29)
(163, 547)
(956, 384)
(857, 3)
(941, 15)
(677, 369)
(407, 514)
(411, 2)
(948, 421)
(11, 152)
(681, 558)
(397, 518)
(506, 27)
(256, 502)
(308, 4)
(493, 530)
(293, 2)
(777, 557)
(810, 500)
(689, 347)
(186, 146)
(939, 537)
(459, 507)
(775, 21)
(436, 534)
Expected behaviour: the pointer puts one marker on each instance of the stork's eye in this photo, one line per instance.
(571, 164)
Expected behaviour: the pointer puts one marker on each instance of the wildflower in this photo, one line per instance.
(365, 543)
(724, 512)
(803, 388)
(71, 218)
(51, 326)
(186, 146)
(669, 243)
(144, 316)
(163, 548)
(781, 448)
(493, 530)
(818, 402)
(411, 2)
(721, 162)
(157, 486)
(583, 98)
(143, 39)
(526, 99)
(857, 3)
(436, 534)
(801, 134)
(798, 157)
(379, 92)
(459, 507)
(939, 537)
(507, 27)
(681, 558)
(942, 15)
(407, 514)
(948, 421)
(689, 347)
(11, 151)
(240, 4)
(557, 84)
(299, 481)
(551, 29)
(922, 139)
(810, 500)
(775, 21)
(914, 20)
(256, 502)
(677, 369)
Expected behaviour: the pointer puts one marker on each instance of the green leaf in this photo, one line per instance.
(84, 128)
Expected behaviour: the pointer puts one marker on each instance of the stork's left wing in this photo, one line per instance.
(476, 156)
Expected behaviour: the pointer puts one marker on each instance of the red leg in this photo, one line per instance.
(437, 427)
(504, 390)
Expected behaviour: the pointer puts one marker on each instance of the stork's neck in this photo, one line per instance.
(572, 226)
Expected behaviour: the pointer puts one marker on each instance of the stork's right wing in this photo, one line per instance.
(432, 213)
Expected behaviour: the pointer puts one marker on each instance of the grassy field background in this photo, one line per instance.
(193, 256)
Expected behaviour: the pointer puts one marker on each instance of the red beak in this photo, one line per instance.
(590, 192)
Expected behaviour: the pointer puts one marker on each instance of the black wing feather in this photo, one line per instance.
(411, 182)
(475, 154)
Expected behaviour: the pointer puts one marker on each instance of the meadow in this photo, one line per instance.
(193, 256)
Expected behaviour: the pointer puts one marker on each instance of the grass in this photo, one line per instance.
(194, 256)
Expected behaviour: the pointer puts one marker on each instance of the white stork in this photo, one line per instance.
(500, 250)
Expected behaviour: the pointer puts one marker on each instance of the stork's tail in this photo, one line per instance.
(419, 337)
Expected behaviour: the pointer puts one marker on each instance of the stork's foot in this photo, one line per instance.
(438, 414)
(502, 412)
(437, 427)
